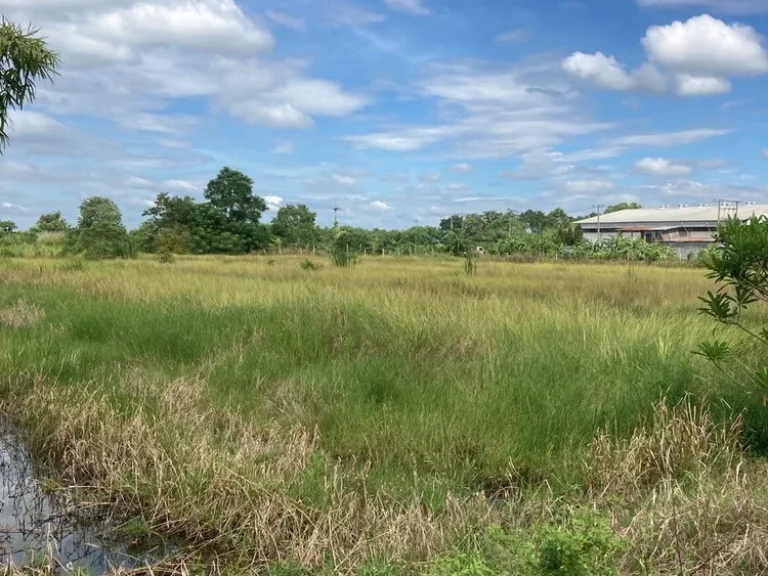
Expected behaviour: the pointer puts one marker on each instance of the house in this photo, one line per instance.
(686, 229)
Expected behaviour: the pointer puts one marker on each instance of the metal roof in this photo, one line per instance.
(674, 215)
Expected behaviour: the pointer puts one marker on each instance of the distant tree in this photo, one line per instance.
(100, 232)
(51, 222)
(7, 226)
(232, 193)
(622, 206)
(457, 244)
(24, 60)
(295, 225)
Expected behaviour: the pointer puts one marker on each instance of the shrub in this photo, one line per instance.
(307, 264)
(739, 267)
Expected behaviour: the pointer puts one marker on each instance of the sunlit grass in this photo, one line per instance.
(375, 398)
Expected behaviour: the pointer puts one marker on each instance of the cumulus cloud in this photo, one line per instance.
(124, 60)
(273, 202)
(381, 206)
(706, 46)
(605, 72)
(662, 167)
(462, 167)
(413, 7)
(697, 54)
(701, 85)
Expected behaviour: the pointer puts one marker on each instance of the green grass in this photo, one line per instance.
(376, 398)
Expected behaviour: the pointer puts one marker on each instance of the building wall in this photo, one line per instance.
(684, 250)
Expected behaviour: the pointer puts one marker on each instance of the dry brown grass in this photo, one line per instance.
(20, 315)
(679, 491)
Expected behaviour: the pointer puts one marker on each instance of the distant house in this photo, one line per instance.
(686, 229)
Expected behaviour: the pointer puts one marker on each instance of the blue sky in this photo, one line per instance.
(402, 111)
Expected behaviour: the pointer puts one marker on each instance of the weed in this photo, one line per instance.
(309, 265)
(20, 315)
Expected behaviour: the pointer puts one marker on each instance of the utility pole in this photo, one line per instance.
(725, 207)
(599, 235)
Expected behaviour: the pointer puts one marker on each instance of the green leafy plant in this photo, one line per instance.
(739, 267)
(25, 59)
(584, 546)
(470, 264)
(308, 265)
(341, 255)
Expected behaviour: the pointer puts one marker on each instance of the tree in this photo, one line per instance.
(739, 266)
(232, 193)
(51, 222)
(100, 232)
(24, 60)
(295, 225)
(7, 226)
(622, 206)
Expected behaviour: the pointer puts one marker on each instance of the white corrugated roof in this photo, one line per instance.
(674, 215)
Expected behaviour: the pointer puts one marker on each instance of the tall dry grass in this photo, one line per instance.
(388, 414)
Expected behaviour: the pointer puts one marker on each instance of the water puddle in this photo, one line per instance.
(35, 525)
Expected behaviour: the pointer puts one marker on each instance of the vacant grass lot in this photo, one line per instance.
(394, 417)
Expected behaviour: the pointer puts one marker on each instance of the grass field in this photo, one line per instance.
(396, 417)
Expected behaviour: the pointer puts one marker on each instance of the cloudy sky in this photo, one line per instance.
(399, 110)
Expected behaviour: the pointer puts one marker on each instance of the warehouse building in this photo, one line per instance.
(686, 229)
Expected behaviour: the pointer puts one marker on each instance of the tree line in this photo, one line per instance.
(229, 221)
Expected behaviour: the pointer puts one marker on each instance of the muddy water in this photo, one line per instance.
(35, 524)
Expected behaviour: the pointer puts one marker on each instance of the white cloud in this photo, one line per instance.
(701, 86)
(496, 111)
(292, 22)
(284, 148)
(668, 138)
(705, 46)
(275, 115)
(605, 72)
(125, 60)
(273, 202)
(32, 124)
(381, 206)
(662, 167)
(513, 36)
(726, 6)
(181, 185)
(197, 25)
(414, 7)
(344, 180)
(458, 187)
(462, 167)
(588, 186)
(699, 54)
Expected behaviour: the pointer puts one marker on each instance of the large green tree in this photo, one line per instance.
(295, 225)
(7, 226)
(100, 232)
(51, 222)
(25, 59)
(232, 193)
